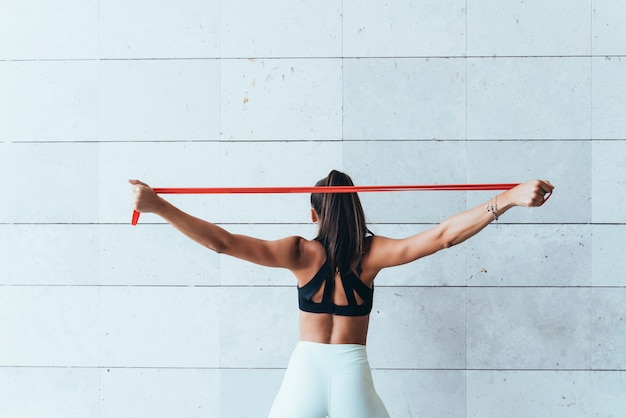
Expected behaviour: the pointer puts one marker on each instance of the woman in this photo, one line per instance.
(328, 373)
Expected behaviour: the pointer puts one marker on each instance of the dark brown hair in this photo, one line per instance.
(342, 228)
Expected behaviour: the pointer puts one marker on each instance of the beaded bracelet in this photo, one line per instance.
(492, 207)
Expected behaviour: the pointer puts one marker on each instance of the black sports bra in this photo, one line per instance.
(351, 284)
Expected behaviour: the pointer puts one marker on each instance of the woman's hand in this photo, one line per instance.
(144, 198)
(531, 193)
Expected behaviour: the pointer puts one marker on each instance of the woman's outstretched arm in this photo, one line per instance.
(280, 253)
(387, 252)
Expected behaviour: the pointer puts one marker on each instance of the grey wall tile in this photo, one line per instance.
(403, 28)
(66, 321)
(531, 255)
(43, 30)
(547, 98)
(528, 328)
(145, 100)
(280, 99)
(280, 29)
(60, 178)
(257, 386)
(609, 170)
(412, 98)
(609, 98)
(159, 29)
(609, 264)
(608, 27)
(262, 335)
(422, 393)
(528, 28)
(30, 258)
(159, 327)
(417, 328)
(153, 255)
(608, 393)
(49, 101)
(521, 394)
(159, 392)
(608, 329)
(51, 392)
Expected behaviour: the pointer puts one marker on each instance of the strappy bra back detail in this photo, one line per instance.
(352, 286)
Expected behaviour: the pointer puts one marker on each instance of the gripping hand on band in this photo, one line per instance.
(145, 200)
(532, 193)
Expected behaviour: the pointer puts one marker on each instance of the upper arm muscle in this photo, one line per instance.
(389, 252)
(284, 252)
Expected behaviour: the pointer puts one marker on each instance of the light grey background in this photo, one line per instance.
(100, 319)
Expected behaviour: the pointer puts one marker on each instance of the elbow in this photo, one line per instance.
(447, 244)
(224, 242)
(219, 249)
(448, 241)
(446, 238)
(220, 246)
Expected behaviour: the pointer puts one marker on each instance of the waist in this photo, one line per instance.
(326, 360)
(332, 353)
(332, 329)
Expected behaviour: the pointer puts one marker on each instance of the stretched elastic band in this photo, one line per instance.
(324, 189)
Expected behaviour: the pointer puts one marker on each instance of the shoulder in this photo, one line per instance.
(305, 252)
(311, 249)
(311, 256)
(373, 243)
(373, 254)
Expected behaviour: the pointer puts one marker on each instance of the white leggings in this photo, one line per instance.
(328, 380)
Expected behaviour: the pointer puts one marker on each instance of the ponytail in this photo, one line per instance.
(342, 228)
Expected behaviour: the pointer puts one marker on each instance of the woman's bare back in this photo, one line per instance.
(328, 328)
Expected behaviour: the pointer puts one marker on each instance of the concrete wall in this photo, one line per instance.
(100, 319)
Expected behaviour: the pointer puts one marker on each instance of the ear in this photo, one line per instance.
(313, 216)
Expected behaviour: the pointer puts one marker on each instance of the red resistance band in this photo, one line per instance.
(324, 189)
